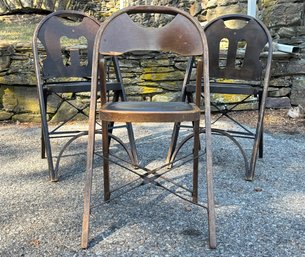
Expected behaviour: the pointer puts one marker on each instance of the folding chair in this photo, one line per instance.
(236, 43)
(119, 35)
(62, 48)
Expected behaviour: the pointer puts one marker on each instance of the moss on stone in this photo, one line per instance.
(167, 97)
(229, 98)
(27, 117)
(9, 100)
(5, 115)
(142, 90)
(175, 75)
(65, 111)
(154, 62)
(20, 99)
(149, 84)
(157, 69)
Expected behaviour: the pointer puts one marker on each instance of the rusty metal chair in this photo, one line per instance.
(236, 44)
(120, 35)
(62, 48)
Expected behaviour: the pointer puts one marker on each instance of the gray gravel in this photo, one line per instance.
(265, 217)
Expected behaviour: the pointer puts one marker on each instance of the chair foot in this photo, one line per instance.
(250, 174)
(107, 197)
(85, 225)
(53, 177)
(212, 245)
(86, 218)
(84, 247)
(249, 178)
(212, 228)
(195, 199)
(84, 243)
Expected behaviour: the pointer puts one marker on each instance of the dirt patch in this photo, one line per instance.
(276, 121)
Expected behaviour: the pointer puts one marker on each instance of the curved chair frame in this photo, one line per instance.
(53, 74)
(257, 36)
(119, 35)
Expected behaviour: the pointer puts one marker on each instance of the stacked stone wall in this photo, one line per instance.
(286, 22)
(284, 18)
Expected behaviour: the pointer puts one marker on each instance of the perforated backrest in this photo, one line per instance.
(71, 25)
(253, 36)
(121, 34)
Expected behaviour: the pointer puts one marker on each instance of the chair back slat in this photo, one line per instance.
(252, 35)
(72, 26)
(123, 35)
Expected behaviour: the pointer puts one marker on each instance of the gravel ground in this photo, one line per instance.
(260, 218)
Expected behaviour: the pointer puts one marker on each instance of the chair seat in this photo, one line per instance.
(65, 87)
(229, 88)
(149, 111)
(77, 86)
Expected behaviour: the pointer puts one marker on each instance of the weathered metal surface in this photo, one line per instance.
(236, 73)
(118, 35)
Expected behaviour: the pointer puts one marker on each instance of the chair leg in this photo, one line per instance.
(173, 143)
(45, 140)
(52, 173)
(195, 162)
(132, 143)
(261, 142)
(261, 145)
(258, 144)
(47, 144)
(106, 160)
(43, 146)
(250, 173)
(211, 218)
(88, 181)
(87, 203)
(209, 181)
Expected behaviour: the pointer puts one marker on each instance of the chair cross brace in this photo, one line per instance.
(151, 175)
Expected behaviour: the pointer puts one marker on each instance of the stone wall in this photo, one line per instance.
(285, 19)
(12, 6)
(286, 22)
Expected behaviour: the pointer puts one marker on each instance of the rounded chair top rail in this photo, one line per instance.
(183, 29)
(63, 14)
(240, 16)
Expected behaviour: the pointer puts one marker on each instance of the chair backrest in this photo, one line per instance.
(119, 34)
(233, 32)
(60, 28)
